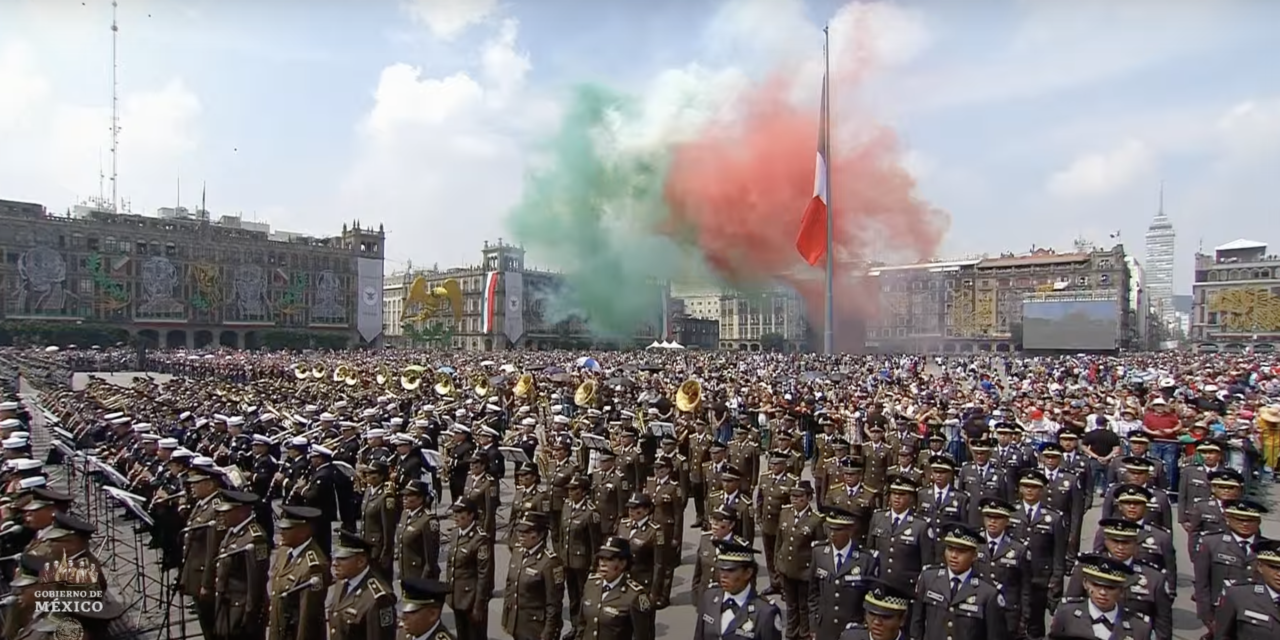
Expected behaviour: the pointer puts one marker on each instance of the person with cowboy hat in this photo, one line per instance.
(300, 578)
(533, 600)
(362, 604)
(417, 536)
(420, 610)
(615, 607)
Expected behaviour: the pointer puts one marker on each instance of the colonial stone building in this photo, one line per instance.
(1236, 299)
(184, 281)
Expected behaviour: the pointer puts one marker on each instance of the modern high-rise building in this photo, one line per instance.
(1159, 265)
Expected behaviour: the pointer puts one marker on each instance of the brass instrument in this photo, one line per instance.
(342, 372)
(317, 371)
(525, 387)
(301, 370)
(411, 377)
(689, 396)
(384, 375)
(587, 394)
(444, 385)
(481, 386)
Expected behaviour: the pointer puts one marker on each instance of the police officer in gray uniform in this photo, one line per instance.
(1249, 611)
(954, 601)
(1148, 592)
(841, 573)
(886, 615)
(1044, 531)
(1005, 561)
(1224, 560)
(733, 608)
(1102, 615)
(903, 539)
(1155, 545)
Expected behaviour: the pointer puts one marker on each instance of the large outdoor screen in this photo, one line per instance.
(1077, 325)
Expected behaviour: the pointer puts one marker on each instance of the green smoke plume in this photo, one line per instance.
(594, 210)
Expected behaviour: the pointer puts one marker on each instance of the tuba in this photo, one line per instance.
(586, 394)
(341, 372)
(384, 375)
(317, 371)
(444, 385)
(689, 396)
(411, 377)
(301, 370)
(525, 387)
(481, 387)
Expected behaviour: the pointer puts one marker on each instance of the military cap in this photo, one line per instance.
(961, 535)
(784, 435)
(669, 439)
(906, 450)
(730, 473)
(527, 469)
(66, 525)
(837, 517)
(802, 488)
(981, 444)
(532, 521)
(1051, 449)
(349, 545)
(1033, 478)
(716, 445)
(605, 454)
(639, 499)
(29, 569)
(1068, 434)
(1007, 427)
(464, 504)
(779, 457)
(293, 516)
(838, 441)
(1100, 569)
(1208, 445)
(663, 461)
(850, 465)
(903, 484)
(1267, 551)
(1119, 528)
(874, 427)
(420, 593)
(318, 451)
(936, 436)
(1133, 493)
(417, 488)
(884, 599)
(1135, 464)
(377, 465)
(724, 513)
(1226, 478)
(578, 482)
(234, 499)
(478, 458)
(1246, 509)
(1138, 436)
(44, 497)
(615, 547)
(732, 555)
(942, 462)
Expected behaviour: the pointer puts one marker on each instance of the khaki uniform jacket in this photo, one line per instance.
(367, 612)
(610, 491)
(876, 460)
(297, 604)
(533, 601)
(533, 499)
(624, 612)
(699, 455)
(379, 516)
(470, 571)
(848, 498)
(483, 491)
(739, 502)
(797, 533)
(745, 455)
(772, 494)
(668, 512)
(560, 472)
(242, 569)
(202, 540)
(580, 535)
(649, 549)
(418, 544)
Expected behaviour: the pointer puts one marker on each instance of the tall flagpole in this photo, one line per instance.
(828, 334)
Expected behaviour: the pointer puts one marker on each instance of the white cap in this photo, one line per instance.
(555, 408)
(341, 404)
(522, 410)
(151, 437)
(182, 452)
(200, 422)
(321, 451)
(202, 461)
(327, 417)
(421, 423)
(430, 407)
(113, 416)
(311, 408)
(27, 464)
(268, 417)
(1210, 388)
(119, 421)
(21, 435)
(369, 413)
(561, 419)
(184, 415)
(375, 433)
(298, 441)
(258, 438)
(169, 443)
(142, 427)
(395, 422)
(460, 428)
(32, 482)
(10, 423)
(13, 443)
(401, 438)
(8, 405)
(488, 431)
(529, 422)
(493, 408)
(237, 421)
(1159, 401)
(460, 413)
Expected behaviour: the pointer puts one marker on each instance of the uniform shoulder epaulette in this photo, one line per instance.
(1141, 616)
(1157, 527)
(819, 543)
(547, 551)
(793, 476)
(854, 625)
(375, 587)
(1074, 600)
(653, 525)
(256, 531)
(313, 559)
(442, 635)
(634, 586)
(707, 532)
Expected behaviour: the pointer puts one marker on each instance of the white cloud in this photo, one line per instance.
(1251, 129)
(449, 18)
(57, 152)
(1102, 173)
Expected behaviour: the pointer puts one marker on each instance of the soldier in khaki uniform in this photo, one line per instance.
(470, 573)
(615, 607)
(580, 533)
(795, 459)
(717, 462)
(70, 538)
(610, 486)
(38, 514)
(533, 601)
(530, 496)
(679, 466)
(722, 523)
(772, 494)
(799, 528)
(482, 489)
(379, 515)
(906, 466)
(648, 545)
(418, 534)
(900, 535)
(631, 464)
(668, 513)
(731, 496)
(299, 579)
(877, 456)
(699, 454)
(203, 537)
(421, 608)
(744, 454)
(560, 469)
(242, 569)
(362, 604)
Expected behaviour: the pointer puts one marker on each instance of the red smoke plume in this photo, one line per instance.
(739, 192)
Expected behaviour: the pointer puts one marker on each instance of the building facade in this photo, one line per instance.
(1161, 251)
(748, 321)
(1236, 299)
(183, 281)
(975, 305)
(505, 305)
(691, 331)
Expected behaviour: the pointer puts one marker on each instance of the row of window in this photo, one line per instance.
(212, 252)
(1259, 273)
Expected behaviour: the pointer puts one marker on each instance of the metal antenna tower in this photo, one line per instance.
(115, 110)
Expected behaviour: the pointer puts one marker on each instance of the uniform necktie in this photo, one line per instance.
(955, 586)
(839, 561)
(1104, 621)
(1031, 514)
(897, 520)
(992, 546)
(729, 605)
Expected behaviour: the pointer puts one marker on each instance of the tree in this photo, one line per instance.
(773, 342)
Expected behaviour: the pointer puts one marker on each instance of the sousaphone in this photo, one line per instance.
(317, 371)
(411, 377)
(689, 396)
(525, 386)
(301, 370)
(586, 394)
(384, 375)
(341, 372)
(481, 386)
(444, 386)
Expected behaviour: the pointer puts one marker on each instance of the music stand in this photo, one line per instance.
(514, 454)
(660, 429)
(153, 590)
(69, 457)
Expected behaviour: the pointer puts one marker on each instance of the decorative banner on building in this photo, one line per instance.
(513, 318)
(489, 303)
(369, 298)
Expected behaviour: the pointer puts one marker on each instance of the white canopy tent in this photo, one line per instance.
(655, 345)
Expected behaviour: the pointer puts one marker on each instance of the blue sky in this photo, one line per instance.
(1033, 122)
